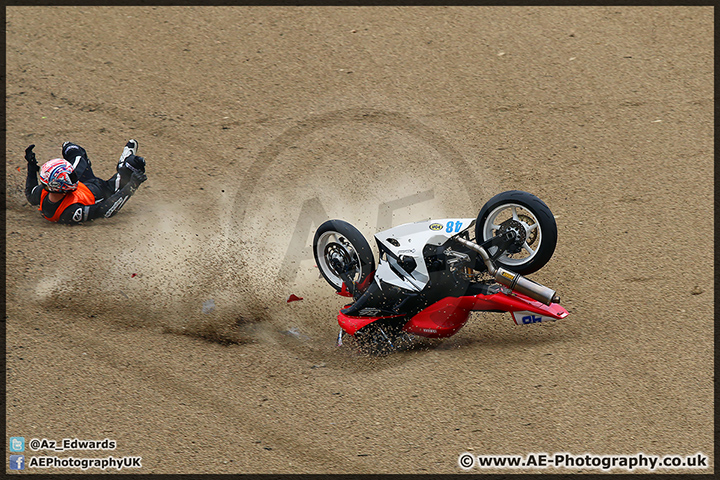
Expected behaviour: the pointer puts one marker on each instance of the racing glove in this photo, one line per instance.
(136, 179)
(32, 189)
(32, 164)
(132, 163)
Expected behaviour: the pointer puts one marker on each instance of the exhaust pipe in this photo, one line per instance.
(518, 283)
(481, 251)
(512, 280)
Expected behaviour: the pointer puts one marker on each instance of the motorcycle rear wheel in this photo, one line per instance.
(532, 220)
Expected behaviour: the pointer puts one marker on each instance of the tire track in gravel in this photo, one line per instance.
(243, 416)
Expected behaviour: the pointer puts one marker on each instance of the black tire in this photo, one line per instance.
(533, 219)
(338, 241)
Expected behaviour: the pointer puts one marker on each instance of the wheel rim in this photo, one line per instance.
(525, 219)
(335, 246)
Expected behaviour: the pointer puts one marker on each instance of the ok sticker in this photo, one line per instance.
(529, 318)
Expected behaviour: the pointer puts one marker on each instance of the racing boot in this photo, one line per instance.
(77, 157)
(130, 149)
(129, 162)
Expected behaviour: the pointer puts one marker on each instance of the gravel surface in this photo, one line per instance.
(166, 327)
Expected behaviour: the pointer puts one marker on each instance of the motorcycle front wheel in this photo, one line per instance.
(339, 248)
(532, 221)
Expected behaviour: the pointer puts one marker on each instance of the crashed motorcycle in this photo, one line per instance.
(432, 274)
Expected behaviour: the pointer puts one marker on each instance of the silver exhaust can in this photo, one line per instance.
(520, 284)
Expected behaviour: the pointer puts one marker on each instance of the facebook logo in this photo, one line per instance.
(17, 444)
(17, 462)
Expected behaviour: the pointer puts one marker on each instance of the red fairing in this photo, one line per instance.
(352, 324)
(361, 287)
(366, 283)
(445, 317)
(344, 291)
(442, 318)
(516, 302)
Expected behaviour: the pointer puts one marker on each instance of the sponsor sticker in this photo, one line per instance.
(527, 318)
(436, 226)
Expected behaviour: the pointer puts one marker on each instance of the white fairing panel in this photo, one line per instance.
(410, 240)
